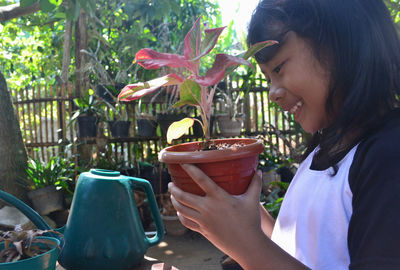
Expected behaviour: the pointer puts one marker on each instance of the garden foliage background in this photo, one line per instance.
(62, 49)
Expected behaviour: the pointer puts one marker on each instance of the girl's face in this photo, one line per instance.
(298, 83)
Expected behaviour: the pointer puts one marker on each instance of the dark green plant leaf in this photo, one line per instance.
(46, 6)
(190, 94)
(26, 3)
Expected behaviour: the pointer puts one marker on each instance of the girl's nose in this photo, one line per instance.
(276, 93)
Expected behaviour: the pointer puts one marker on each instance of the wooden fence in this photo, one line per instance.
(44, 113)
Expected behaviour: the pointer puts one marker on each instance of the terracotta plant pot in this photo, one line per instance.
(232, 169)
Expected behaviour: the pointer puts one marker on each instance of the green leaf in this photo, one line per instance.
(56, 2)
(46, 6)
(190, 94)
(179, 128)
(257, 47)
(25, 3)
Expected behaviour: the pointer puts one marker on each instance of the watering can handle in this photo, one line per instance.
(155, 212)
(26, 210)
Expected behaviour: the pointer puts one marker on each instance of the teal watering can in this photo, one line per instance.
(104, 230)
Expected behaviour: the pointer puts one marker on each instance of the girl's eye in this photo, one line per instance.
(278, 68)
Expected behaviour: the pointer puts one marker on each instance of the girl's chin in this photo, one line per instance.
(307, 127)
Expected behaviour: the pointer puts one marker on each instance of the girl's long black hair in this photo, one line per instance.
(357, 42)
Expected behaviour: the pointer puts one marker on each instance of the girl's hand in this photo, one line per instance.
(226, 220)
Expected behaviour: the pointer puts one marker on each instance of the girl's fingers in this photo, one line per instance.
(254, 189)
(185, 198)
(184, 210)
(201, 179)
(188, 223)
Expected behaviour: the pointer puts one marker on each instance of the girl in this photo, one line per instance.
(336, 69)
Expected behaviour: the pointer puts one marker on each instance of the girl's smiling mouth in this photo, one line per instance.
(295, 108)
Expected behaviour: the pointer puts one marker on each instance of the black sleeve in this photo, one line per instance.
(374, 178)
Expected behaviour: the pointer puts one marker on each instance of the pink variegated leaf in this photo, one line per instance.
(218, 70)
(137, 90)
(208, 43)
(193, 41)
(150, 59)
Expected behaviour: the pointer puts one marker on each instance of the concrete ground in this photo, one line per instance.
(188, 252)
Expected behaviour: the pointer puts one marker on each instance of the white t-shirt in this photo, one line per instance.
(313, 222)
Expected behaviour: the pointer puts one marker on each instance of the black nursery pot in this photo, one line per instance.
(152, 174)
(198, 131)
(87, 126)
(119, 129)
(165, 120)
(146, 127)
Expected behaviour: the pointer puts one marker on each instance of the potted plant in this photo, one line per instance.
(88, 114)
(230, 120)
(46, 182)
(146, 123)
(229, 159)
(29, 249)
(118, 123)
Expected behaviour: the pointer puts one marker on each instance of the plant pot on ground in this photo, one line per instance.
(146, 125)
(47, 181)
(28, 250)
(46, 200)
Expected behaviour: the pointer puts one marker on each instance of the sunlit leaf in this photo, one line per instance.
(137, 90)
(179, 128)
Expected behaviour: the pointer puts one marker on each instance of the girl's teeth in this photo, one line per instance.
(295, 107)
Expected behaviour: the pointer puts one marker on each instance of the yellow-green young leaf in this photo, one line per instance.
(179, 128)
